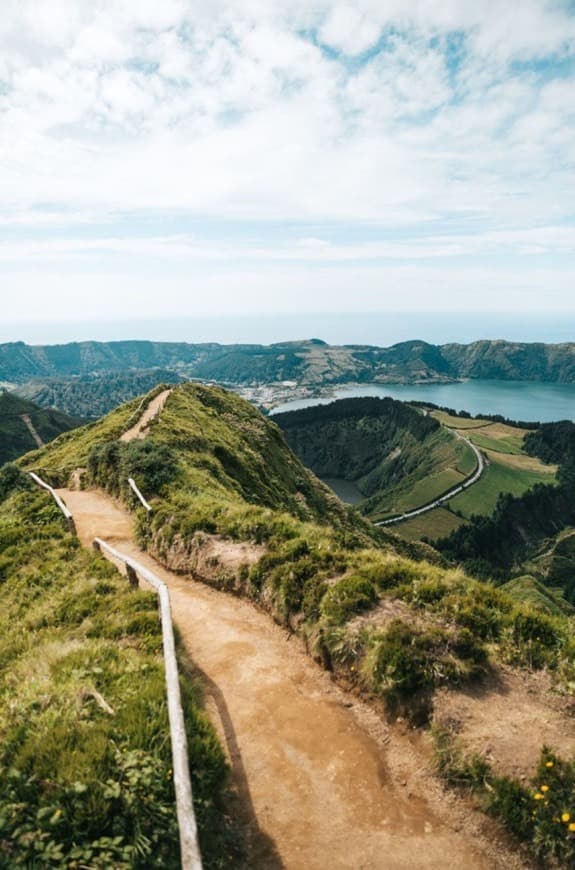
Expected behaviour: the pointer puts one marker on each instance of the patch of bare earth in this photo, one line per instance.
(207, 556)
(508, 718)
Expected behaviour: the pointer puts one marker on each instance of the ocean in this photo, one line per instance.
(376, 328)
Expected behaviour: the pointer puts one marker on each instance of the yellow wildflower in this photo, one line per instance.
(548, 764)
(572, 826)
(565, 817)
(538, 796)
(544, 788)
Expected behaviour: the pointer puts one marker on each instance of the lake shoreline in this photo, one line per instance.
(530, 401)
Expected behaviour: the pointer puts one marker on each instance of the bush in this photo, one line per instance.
(11, 480)
(536, 638)
(349, 596)
(151, 465)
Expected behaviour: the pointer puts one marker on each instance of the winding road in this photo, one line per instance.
(448, 495)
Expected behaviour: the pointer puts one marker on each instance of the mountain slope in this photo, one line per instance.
(23, 425)
(398, 458)
(233, 506)
(86, 767)
(93, 396)
(310, 362)
(529, 533)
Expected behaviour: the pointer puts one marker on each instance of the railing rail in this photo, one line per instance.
(135, 489)
(189, 846)
(61, 504)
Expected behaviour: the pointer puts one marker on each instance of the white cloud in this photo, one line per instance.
(227, 111)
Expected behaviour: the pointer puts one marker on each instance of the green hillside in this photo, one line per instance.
(528, 590)
(386, 617)
(93, 396)
(311, 362)
(85, 766)
(216, 470)
(15, 435)
(510, 470)
(529, 533)
(397, 457)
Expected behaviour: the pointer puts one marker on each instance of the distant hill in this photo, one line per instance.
(93, 396)
(24, 426)
(309, 362)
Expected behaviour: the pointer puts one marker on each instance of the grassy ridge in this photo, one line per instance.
(216, 469)
(369, 608)
(85, 757)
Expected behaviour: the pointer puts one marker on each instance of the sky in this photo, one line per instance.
(270, 157)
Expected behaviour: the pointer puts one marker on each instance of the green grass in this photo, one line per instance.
(323, 565)
(57, 460)
(428, 489)
(432, 525)
(439, 464)
(80, 785)
(527, 590)
(458, 422)
(510, 445)
(481, 498)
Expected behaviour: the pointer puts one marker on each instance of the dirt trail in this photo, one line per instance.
(152, 410)
(508, 718)
(32, 429)
(315, 786)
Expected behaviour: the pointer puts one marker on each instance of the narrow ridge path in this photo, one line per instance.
(32, 429)
(314, 785)
(153, 409)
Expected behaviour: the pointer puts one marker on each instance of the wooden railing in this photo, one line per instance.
(61, 504)
(134, 488)
(189, 846)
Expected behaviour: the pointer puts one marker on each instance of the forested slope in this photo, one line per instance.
(20, 418)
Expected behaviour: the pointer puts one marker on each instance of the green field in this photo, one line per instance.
(448, 462)
(434, 524)
(458, 422)
(499, 477)
(509, 470)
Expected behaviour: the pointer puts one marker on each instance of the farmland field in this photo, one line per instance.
(434, 524)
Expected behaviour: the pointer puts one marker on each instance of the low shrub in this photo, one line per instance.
(349, 596)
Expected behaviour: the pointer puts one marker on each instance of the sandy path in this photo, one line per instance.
(314, 786)
(32, 429)
(153, 409)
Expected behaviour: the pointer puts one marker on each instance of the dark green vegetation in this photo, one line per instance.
(92, 396)
(541, 814)
(309, 362)
(529, 534)
(15, 435)
(397, 457)
(85, 757)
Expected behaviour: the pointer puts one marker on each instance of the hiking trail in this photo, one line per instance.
(318, 787)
